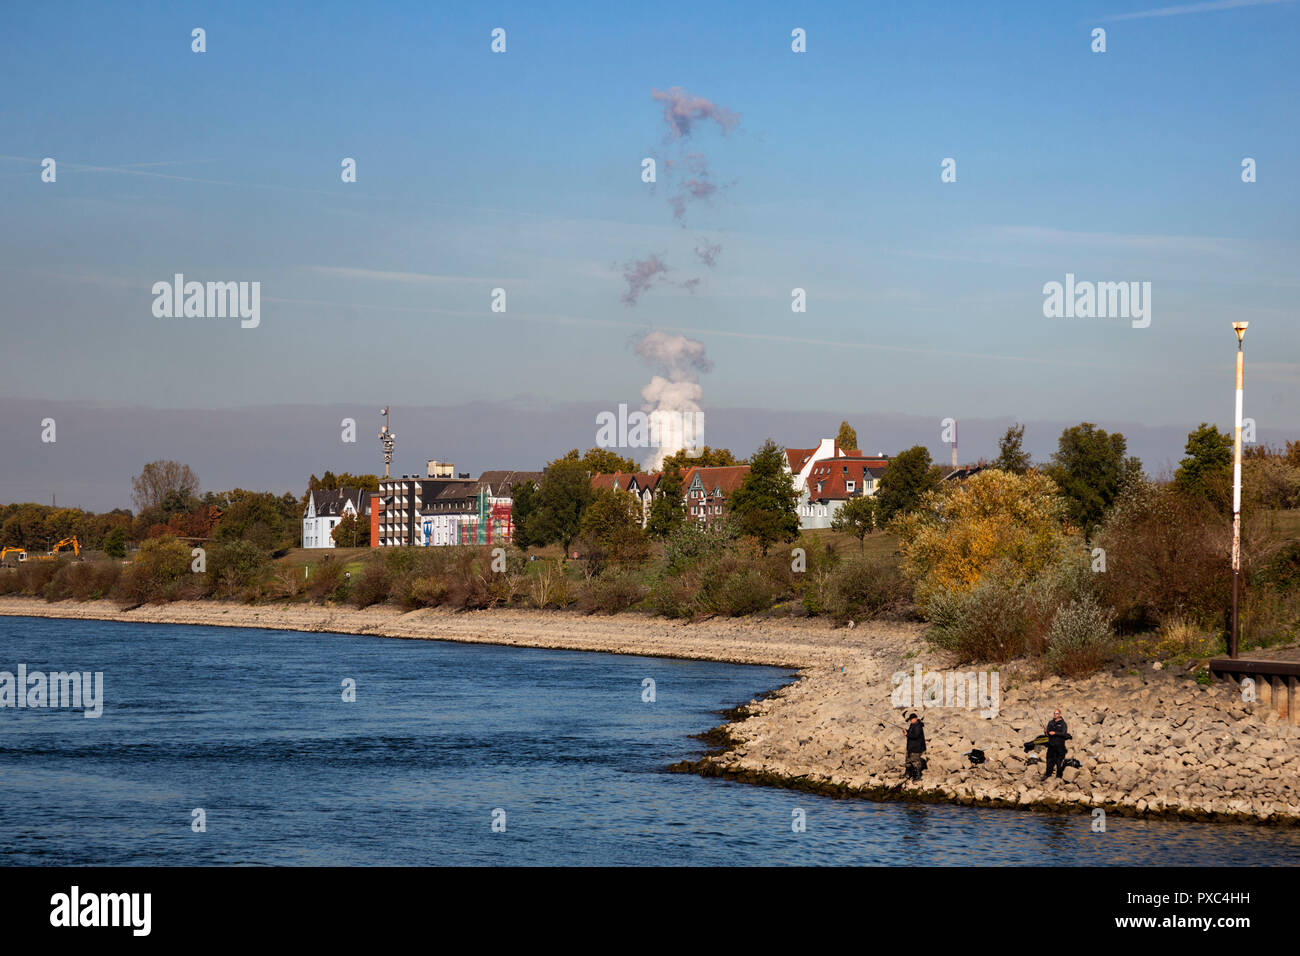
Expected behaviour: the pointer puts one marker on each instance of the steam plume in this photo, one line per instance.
(672, 399)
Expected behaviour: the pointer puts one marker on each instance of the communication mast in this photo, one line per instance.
(388, 439)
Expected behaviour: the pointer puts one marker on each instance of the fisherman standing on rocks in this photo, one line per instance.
(1056, 738)
(915, 747)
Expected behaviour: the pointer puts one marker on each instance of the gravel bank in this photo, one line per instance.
(1151, 743)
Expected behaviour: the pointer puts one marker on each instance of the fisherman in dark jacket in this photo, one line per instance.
(1056, 738)
(915, 747)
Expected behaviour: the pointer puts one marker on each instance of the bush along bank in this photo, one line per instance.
(699, 574)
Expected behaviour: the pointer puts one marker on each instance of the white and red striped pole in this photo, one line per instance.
(1240, 329)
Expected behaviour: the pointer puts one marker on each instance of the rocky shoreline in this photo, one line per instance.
(1152, 743)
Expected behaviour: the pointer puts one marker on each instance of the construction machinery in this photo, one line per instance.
(65, 543)
(10, 557)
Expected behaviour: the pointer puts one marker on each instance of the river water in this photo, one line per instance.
(456, 754)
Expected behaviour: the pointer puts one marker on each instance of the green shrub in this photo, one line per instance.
(1080, 638)
(692, 542)
(234, 567)
(160, 572)
(1270, 616)
(674, 597)
(990, 622)
(1283, 569)
(83, 580)
(423, 591)
(611, 593)
(326, 582)
(550, 587)
(740, 592)
(287, 582)
(32, 577)
(371, 585)
(861, 588)
(1070, 579)
(1167, 556)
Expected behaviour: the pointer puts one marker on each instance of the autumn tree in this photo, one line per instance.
(764, 506)
(161, 478)
(847, 438)
(994, 519)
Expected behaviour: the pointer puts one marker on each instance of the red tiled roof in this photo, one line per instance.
(833, 473)
(608, 479)
(726, 477)
(798, 457)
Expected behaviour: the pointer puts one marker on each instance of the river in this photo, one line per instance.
(457, 754)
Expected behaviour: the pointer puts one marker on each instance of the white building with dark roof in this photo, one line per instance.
(326, 508)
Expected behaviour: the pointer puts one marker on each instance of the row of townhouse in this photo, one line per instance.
(704, 489)
(825, 477)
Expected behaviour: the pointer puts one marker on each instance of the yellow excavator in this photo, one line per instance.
(65, 543)
(18, 555)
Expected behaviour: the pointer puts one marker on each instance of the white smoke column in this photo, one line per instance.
(673, 397)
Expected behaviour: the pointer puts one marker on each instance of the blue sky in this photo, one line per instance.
(522, 170)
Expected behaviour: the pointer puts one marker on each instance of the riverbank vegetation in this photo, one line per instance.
(1069, 564)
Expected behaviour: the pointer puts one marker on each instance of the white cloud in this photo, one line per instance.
(1209, 7)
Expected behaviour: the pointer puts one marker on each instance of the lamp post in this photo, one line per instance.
(1240, 329)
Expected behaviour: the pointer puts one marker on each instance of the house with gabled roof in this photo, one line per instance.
(833, 481)
(707, 491)
(800, 461)
(326, 508)
(641, 484)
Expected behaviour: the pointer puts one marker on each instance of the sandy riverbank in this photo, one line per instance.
(1152, 743)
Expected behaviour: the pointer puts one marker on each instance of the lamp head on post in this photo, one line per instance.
(1240, 329)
